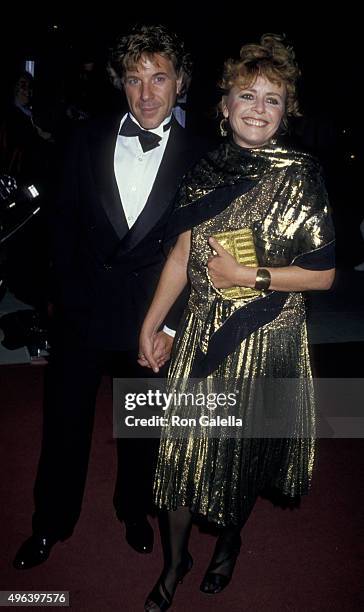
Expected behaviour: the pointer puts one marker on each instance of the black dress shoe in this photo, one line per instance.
(34, 551)
(139, 534)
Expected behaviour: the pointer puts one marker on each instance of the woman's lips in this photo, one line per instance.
(255, 122)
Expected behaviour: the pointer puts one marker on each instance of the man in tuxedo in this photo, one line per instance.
(120, 178)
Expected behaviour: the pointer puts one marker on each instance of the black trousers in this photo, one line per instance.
(71, 384)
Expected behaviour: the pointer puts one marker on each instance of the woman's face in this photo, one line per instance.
(255, 112)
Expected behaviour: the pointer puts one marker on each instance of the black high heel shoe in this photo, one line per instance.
(160, 596)
(214, 582)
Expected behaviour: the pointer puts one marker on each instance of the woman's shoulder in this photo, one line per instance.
(298, 159)
(305, 176)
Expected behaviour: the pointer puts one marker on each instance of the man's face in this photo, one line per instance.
(151, 88)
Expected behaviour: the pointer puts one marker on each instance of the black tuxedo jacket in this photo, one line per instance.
(104, 274)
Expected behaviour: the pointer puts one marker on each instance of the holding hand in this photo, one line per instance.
(154, 349)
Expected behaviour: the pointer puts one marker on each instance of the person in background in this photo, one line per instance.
(26, 153)
(360, 267)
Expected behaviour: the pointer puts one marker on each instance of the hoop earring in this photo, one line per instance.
(223, 127)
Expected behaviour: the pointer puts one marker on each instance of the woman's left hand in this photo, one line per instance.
(225, 272)
(223, 268)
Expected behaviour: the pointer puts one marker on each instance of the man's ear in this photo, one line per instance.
(122, 82)
(179, 83)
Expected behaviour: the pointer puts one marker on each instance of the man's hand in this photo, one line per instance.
(223, 267)
(155, 351)
(162, 347)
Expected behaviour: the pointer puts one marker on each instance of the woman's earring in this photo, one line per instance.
(223, 127)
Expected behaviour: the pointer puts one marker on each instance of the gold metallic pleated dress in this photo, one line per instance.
(220, 476)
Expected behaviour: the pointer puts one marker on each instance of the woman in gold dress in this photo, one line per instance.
(243, 324)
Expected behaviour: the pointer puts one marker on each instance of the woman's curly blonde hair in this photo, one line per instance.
(270, 58)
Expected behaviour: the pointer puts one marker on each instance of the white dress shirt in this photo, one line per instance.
(135, 171)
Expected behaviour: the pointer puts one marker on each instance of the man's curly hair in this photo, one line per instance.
(148, 40)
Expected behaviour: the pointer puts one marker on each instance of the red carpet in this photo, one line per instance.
(303, 560)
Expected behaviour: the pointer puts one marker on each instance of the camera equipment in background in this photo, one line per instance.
(18, 206)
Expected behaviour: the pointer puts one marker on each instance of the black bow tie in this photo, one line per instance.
(148, 140)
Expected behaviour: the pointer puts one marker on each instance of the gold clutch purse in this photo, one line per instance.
(240, 244)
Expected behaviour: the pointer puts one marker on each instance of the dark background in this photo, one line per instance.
(328, 50)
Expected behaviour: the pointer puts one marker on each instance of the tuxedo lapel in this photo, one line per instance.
(164, 188)
(102, 151)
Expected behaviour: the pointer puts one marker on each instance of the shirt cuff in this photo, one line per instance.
(170, 332)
